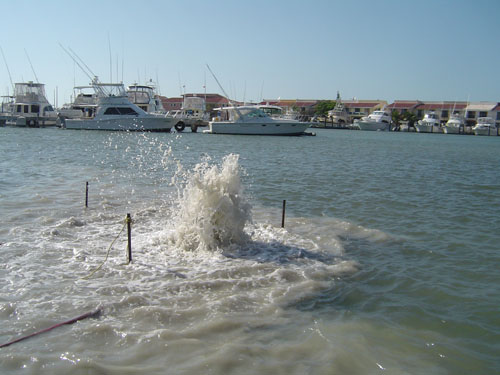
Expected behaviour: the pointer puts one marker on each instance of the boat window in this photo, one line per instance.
(48, 108)
(111, 111)
(127, 111)
(26, 109)
(19, 108)
(35, 108)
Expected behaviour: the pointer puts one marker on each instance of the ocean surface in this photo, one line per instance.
(389, 261)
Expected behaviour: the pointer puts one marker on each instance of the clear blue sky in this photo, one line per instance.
(385, 49)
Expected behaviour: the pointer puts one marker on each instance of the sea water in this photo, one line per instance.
(388, 261)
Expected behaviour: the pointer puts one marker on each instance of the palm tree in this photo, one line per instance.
(411, 118)
(396, 119)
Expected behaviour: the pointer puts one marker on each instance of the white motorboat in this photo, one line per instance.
(114, 111)
(454, 124)
(485, 126)
(30, 107)
(251, 120)
(429, 124)
(376, 121)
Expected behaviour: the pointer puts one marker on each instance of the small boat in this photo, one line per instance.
(30, 107)
(83, 106)
(429, 124)
(454, 124)
(376, 121)
(485, 126)
(114, 111)
(252, 120)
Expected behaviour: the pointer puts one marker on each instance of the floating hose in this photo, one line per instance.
(71, 321)
(127, 220)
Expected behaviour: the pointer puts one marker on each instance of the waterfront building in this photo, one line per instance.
(482, 109)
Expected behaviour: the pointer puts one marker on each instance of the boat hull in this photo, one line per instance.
(248, 128)
(372, 125)
(485, 131)
(428, 128)
(451, 130)
(154, 124)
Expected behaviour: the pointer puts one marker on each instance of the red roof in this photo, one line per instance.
(361, 105)
(442, 106)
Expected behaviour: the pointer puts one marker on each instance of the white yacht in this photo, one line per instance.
(378, 120)
(339, 114)
(83, 106)
(114, 111)
(429, 124)
(30, 107)
(485, 126)
(146, 97)
(251, 120)
(454, 124)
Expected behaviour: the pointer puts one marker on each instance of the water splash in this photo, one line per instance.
(212, 209)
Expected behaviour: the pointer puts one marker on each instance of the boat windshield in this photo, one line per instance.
(139, 97)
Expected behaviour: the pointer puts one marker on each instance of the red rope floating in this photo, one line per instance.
(71, 321)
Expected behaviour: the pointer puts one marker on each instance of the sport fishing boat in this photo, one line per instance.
(339, 114)
(376, 121)
(252, 120)
(429, 124)
(485, 126)
(30, 107)
(454, 124)
(146, 97)
(114, 111)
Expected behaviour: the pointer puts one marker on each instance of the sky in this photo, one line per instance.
(390, 50)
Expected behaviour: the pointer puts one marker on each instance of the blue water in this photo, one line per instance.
(415, 216)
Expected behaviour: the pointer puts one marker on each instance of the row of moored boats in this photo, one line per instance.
(109, 106)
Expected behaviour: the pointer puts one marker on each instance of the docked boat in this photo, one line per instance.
(339, 115)
(485, 126)
(252, 120)
(376, 121)
(192, 114)
(454, 124)
(146, 97)
(429, 124)
(30, 107)
(115, 111)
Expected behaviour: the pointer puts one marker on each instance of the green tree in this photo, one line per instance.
(396, 119)
(324, 106)
(411, 118)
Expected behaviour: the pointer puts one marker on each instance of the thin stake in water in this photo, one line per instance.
(283, 214)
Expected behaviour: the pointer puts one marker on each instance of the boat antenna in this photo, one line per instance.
(110, 61)
(26, 52)
(7, 66)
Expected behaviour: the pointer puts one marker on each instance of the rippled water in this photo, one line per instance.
(388, 262)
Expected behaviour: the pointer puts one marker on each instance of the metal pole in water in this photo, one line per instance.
(129, 235)
(283, 214)
(87, 194)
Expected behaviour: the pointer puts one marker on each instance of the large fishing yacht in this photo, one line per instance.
(146, 97)
(114, 111)
(251, 120)
(30, 107)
